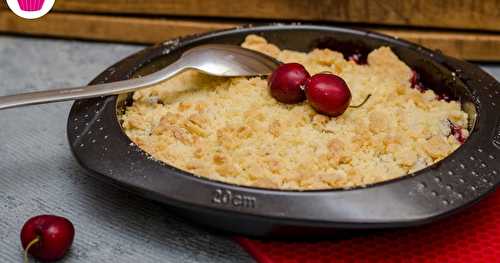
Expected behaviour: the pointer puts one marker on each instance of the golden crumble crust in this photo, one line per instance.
(232, 130)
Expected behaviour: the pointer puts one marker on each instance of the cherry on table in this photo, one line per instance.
(287, 82)
(47, 237)
(328, 94)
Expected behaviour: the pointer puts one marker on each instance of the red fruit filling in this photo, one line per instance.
(456, 131)
(417, 84)
(358, 59)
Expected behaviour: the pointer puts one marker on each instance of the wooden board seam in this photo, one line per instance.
(469, 45)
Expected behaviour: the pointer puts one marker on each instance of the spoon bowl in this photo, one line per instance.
(229, 61)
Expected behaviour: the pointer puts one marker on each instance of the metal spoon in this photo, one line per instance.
(217, 60)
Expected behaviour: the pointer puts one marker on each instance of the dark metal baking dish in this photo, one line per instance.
(464, 177)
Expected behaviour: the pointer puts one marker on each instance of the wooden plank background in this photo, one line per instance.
(106, 28)
(460, 14)
(467, 45)
(150, 21)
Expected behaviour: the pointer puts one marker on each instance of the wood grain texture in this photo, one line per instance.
(108, 28)
(466, 45)
(463, 14)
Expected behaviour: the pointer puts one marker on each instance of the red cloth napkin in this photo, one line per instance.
(467, 237)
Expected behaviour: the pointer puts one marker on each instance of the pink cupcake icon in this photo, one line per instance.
(30, 5)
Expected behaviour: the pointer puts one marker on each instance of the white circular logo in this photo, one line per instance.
(30, 9)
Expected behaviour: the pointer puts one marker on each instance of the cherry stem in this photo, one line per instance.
(33, 242)
(362, 103)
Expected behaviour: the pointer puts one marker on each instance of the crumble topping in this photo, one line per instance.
(232, 130)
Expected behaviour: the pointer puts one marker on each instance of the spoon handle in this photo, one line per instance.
(91, 91)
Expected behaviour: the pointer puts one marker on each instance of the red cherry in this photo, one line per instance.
(328, 94)
(47, 237)
(287, 83)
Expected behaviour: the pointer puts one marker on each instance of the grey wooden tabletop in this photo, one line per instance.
(38, 175)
